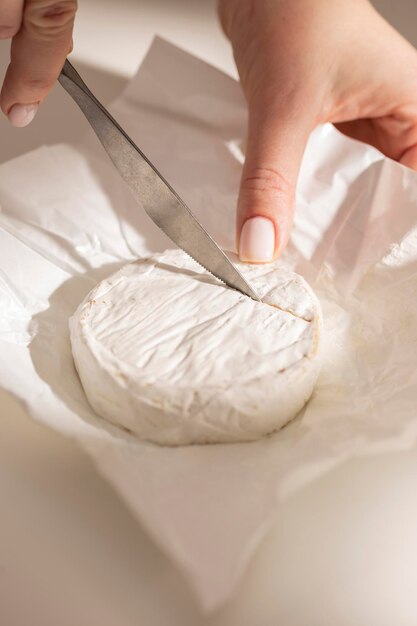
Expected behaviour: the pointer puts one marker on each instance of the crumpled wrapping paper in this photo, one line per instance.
(67, 221)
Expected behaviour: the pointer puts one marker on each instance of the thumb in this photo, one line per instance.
(277, 136)
(37, 53)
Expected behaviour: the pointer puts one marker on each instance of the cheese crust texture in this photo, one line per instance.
(169, 353)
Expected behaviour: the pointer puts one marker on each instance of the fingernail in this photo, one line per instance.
(257, 240)
(21, 115)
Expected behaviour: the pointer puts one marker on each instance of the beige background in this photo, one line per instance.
(344, 551)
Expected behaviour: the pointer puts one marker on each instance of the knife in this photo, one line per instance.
(151, 190)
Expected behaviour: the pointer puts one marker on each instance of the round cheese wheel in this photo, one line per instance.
(170, 353)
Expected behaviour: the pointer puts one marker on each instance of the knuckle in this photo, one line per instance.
(50, 19)
(38, 84)
(8, 31)
(266, 180)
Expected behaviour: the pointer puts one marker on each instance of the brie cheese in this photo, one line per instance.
(168, 352)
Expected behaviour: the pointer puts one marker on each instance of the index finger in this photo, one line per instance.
(38, 52)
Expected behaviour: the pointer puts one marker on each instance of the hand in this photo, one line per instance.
(41, 34)
(303, 63)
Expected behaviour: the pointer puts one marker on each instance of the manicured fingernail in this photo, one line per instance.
(21, 115)
(257, 240)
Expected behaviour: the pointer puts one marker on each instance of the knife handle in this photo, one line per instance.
(103, 124)
(78, 90)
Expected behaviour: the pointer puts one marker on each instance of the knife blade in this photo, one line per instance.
(156, 196)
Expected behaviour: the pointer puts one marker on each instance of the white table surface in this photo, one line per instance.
(344, 550)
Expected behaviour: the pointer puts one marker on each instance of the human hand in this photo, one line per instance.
(303, 63)
(41, 34)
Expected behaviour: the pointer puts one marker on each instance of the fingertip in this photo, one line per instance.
(21, 115)
(258, 240)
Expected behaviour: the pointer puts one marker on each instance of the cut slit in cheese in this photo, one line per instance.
(166, 351)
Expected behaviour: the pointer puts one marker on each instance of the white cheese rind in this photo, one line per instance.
(166, 351)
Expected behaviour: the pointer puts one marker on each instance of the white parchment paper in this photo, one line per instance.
(67, 221)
